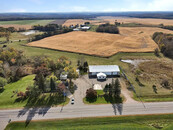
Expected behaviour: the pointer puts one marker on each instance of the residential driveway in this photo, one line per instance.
(83, 83)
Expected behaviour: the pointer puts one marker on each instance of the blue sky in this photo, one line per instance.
(84, 5)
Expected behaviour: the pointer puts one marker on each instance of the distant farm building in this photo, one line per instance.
(76, 29)
(81, 28)
(85, 28)
(103, 71)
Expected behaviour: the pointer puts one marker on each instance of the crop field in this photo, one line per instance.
(147, 21)
(82, 21)
(111, 20)
(27, 24)
(103, 44)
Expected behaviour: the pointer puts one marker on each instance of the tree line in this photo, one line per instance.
(50, 30)
(108, 28)
(165, 43)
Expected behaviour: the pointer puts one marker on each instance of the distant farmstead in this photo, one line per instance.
(103, 71)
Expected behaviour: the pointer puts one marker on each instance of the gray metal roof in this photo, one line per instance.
(104, 68)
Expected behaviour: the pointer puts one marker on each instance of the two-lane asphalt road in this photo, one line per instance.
(74, 111)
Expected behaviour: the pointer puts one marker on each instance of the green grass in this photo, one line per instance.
(27, 22)
(9, 102)
(9, 99)
(103, 100)
(144, 122)
(155, 98)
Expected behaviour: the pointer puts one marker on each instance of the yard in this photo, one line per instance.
(142, 122)
(103, 99)
(10, 99)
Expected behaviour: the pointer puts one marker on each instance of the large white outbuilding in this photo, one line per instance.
(103, 71)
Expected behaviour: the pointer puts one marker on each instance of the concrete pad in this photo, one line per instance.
(97, 87)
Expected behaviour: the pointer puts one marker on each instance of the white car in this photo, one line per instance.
(72, 101)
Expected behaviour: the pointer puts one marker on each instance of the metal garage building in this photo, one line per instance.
(102, 71)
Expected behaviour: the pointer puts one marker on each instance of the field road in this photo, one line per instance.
(74, 111)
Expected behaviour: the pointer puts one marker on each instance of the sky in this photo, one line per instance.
(84, 5)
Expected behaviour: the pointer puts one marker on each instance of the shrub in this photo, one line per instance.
(156, 52)
(3, 82)
(155, 89)
(165, 83)
(91, 95)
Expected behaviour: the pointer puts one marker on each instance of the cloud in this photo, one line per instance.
(160, 5)
(17, 10)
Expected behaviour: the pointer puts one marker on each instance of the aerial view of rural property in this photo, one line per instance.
(86, 65)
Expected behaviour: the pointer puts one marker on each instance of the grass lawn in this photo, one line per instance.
(9, 100)
(103, 100)
(27, 22)
(21, 85)
(144, 122)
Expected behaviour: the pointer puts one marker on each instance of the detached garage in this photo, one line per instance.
(103, 71)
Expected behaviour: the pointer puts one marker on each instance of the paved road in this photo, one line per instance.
(72, 111)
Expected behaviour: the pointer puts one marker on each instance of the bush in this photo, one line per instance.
(155, 89)
(3, 82)
(165, 83)
(91, 95)
(156, 52)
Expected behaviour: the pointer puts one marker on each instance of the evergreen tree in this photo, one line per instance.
(52, 84)
(106, 88)
(110, 90)
(117, 88)
(85, 64)
(40, 82)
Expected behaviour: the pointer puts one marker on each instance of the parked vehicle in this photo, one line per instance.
(72, 101)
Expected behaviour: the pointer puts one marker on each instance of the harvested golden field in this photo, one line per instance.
(103, 44)
(111, 20)
(16, 26)
(82, 21)
(148, 21)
